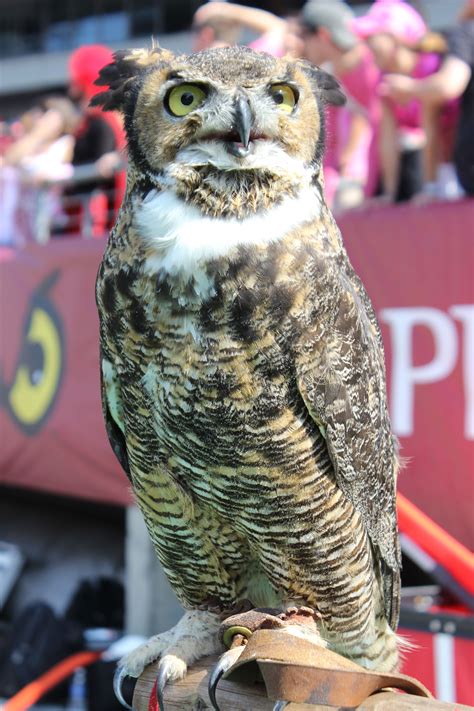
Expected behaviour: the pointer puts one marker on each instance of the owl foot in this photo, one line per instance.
(195, 636)
(170, 668)
(119, 678)
(300, 615)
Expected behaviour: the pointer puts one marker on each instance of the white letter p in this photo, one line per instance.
(405, 375)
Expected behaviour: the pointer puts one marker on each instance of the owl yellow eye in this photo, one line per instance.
(185, 98)
(284, 97)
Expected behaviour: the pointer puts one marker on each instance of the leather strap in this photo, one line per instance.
(330, 687)
(296, 669)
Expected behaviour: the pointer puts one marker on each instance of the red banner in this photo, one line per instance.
(416, 263)
(52, 433)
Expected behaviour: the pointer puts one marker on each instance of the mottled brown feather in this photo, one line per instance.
(257, 436)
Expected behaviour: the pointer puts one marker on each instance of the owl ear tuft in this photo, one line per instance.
(324, 84)
(120, 75)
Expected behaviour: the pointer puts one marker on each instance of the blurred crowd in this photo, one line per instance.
(61, 162)
(406, 130)
(404, 134)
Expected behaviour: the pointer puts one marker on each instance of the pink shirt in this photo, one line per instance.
(360, 85)
(409, 115)
(271, 43)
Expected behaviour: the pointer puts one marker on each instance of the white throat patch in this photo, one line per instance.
(184, 239)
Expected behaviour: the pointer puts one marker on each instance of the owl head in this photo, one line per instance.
(222, 117)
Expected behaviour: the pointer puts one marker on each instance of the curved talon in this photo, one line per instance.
(280, 705)
(225, 662)
(165, 668)
(119, 676)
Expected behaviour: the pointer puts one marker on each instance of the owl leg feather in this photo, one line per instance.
(195, 636)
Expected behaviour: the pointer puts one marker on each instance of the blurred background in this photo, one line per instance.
(36, 36)
(77, 573)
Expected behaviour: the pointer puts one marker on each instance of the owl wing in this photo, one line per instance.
(341, 378)
(113, 412)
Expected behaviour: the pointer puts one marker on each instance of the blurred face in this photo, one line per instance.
(29, 118)
(316, 45)
(384, 49)
(467, 13)
(292, 40)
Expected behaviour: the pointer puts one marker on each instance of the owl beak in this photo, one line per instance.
(242, 123)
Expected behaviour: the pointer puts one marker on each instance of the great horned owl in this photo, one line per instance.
(242, 364)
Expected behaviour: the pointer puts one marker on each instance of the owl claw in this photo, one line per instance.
(280, 705)
(119, 676)
(166, 669)
(225, 662)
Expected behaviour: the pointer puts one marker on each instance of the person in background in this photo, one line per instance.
(454, 79)
(44, 150)
(31, 168)
(222, 23)
(401, 43)
(99, 137)
(323, 29)
(213, 28)
(99, 133)
(350, 165)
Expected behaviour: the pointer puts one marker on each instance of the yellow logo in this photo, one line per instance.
(32, 393)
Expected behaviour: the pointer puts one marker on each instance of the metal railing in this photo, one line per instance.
(77, 215)
(80, 206)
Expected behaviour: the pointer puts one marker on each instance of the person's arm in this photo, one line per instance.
(46, 130)
(389, 152)
(254, 19)
(431, 150)
(109, 163)
(448, 83)
(359, 127)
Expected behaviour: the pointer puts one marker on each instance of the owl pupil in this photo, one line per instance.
(187, 98)
(278, 97)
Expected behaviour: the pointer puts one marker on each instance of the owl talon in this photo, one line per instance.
(119, 676)
(280, 705)
(224, 664)
(166, 671)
